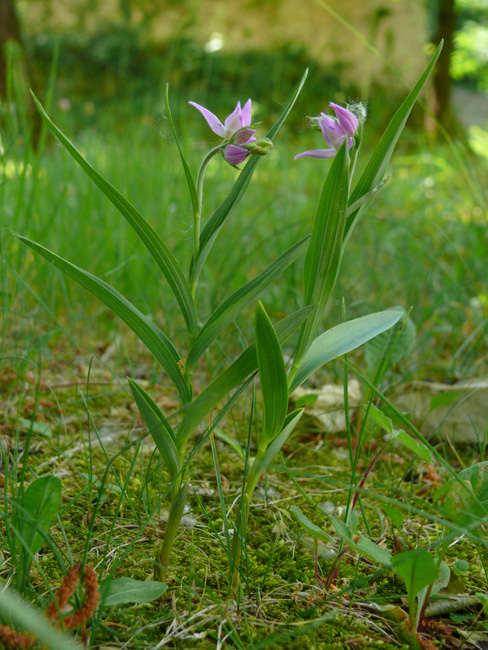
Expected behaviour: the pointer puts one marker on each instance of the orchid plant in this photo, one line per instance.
(339, 208)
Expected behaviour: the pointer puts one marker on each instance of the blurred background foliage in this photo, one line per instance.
(100, 68)
(209, 50)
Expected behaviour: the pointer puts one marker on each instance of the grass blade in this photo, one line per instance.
(343, 338)
(152, 337)
(231, 307)
(272, 373)
(216, 221)
(376, 167)
(151, 240)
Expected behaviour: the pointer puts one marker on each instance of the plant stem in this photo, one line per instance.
(197, 215)
(174, 519)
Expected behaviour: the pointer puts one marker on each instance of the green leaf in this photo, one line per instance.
(216, 221)
(324, 251)
(311, 528)
(262, 462)
(152, 337)
(388, 348)
(415, 446)
(231, 307)
(127, 590)
(236, 373)
(342, 339)
(417, 568)
(272, 374)
(151, 240)
(189, 178)
(233, 444)
(376, 167)
(467, 498)
(36, 511)
(395, 515)
(33, 621)
(159, 428)
(398, 435)
(443, 399)
(41, 428)
(362, 544)
(460, 567)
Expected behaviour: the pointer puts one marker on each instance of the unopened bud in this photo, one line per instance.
(261, 147)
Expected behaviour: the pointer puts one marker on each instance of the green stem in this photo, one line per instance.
(161, 561)
(197, 215)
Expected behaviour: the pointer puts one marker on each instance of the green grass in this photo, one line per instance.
(64, 358)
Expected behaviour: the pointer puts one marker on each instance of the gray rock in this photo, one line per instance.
(440, 411)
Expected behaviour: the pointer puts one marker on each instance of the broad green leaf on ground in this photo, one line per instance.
(216, 221)
(417, 568)
(37, 510)
(127, 590)
(32, 620)
(324, 251)
(152, 337)
(342, 339)
(272, 375)
(159, 428)
(467, 498)
(378, 163)
(231, 307)
(151, 240)
(236, 373)
(311, 528)
(362, 544)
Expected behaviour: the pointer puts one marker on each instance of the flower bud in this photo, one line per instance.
(261, 147)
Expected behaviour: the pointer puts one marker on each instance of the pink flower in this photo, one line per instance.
(334, 131)
(236, 130)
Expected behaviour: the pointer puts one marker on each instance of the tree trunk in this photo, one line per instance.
(9, 30)
(442, 81)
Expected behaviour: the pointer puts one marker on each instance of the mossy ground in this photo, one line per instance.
(112, 514)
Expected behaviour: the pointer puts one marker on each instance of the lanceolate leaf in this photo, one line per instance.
(159, 428)
(376, 167)
(236, 373)
(324, 251)
(342, 339)
(152, 337)
(151, 240)
(231, 307)
(272, 373)
(214, 224)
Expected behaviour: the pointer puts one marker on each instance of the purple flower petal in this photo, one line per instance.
(317, 153)
(235, 155)
(347, 120)
(212, 120)
(244, 135)
(246, 114)
(233, 122)
(332, 131)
